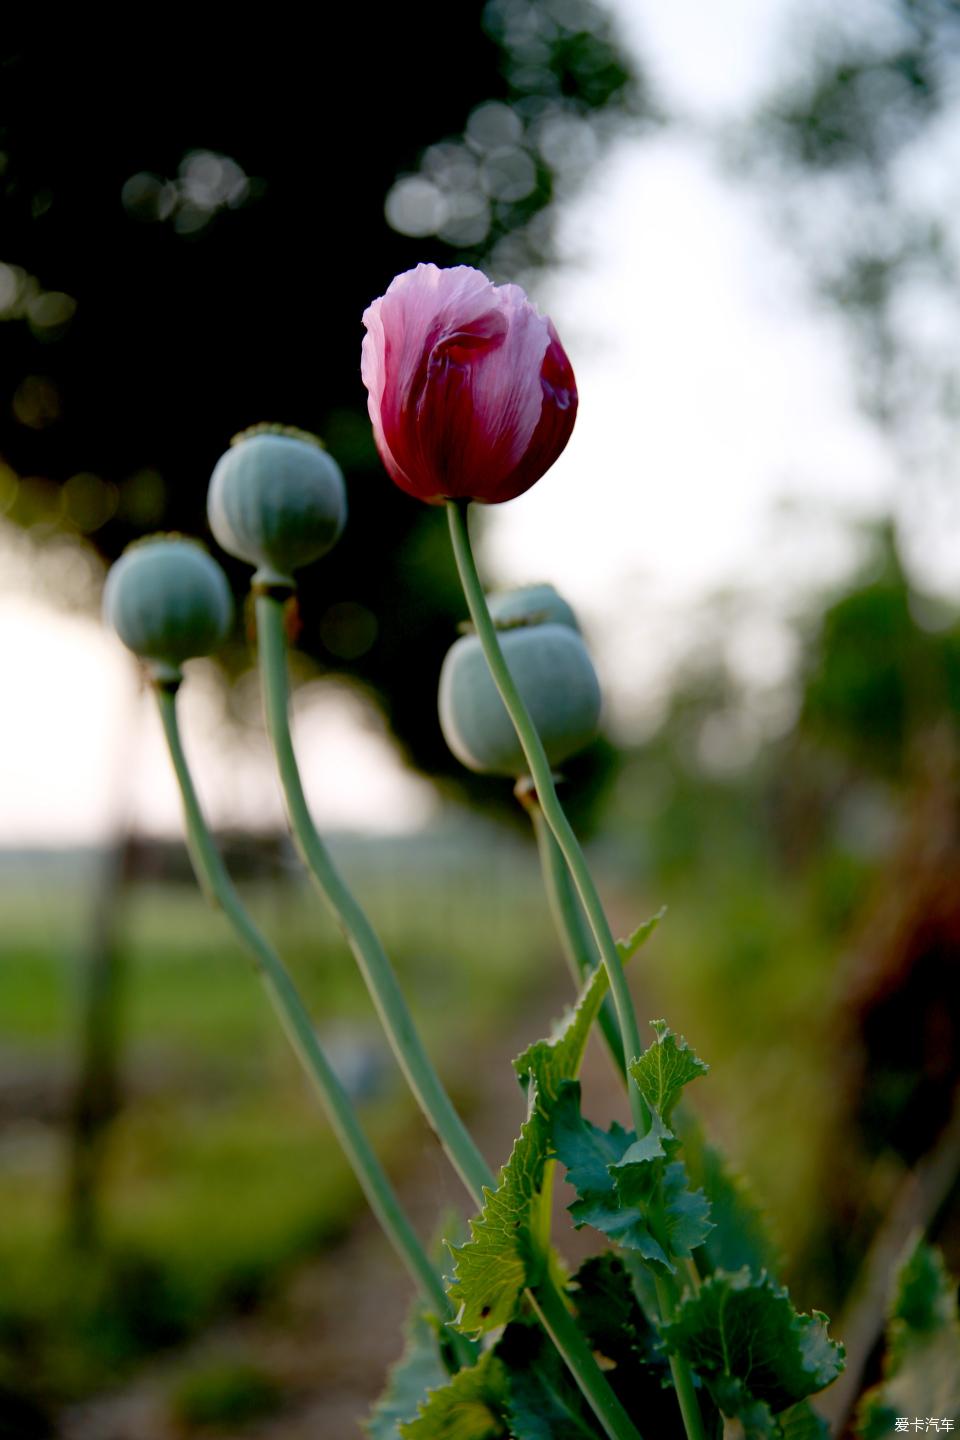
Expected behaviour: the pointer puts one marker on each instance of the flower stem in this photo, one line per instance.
(396, 1018)
(295, 1019)
(542, 778)
(568, 918)
(369, 953)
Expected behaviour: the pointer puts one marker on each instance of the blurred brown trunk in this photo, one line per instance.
(97, 1093)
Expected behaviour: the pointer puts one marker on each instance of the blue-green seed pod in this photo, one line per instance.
(168, 600)
(277, 500)
(555, 676)
(530, 605)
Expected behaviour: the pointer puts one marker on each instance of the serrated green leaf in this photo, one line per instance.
(686, 1212)
(495, 1265)
(921, 1370)
(630, 946)
(664, 1069)
(738, 1331)
(619, 1182)
(549, 1062)
(501, 1258)
(471, 1406)
(418, 1370)
(585, 1150)
(544, 1402)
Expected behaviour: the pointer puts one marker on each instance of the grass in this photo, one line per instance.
(221, 1173)
(223, 1395)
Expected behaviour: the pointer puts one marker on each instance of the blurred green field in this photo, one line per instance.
(221, 1176)
(220, 1170)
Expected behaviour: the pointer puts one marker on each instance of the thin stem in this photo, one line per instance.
(568, 917)
(565, 1334)
(682, 1376)
(542, 776)
(360, 935)
(295, 1019)
(393, 1012)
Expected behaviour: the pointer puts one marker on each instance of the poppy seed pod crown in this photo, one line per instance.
(531, 605)
(168, 600)
(277, 500)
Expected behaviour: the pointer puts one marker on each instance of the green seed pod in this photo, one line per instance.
(556, 678)
(530, 605)
(168, 600)
(276, 500)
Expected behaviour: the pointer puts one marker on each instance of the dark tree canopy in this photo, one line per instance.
(193, 223)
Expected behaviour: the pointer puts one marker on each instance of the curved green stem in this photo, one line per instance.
(295, 1019)
(568, 918)
(542, 776)
(394, 1014)
(359, 933)
(560, 1325)
(682, 1377)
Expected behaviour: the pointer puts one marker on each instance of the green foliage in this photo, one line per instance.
(544, 1402)
(624, 1189)
(921, 1371)
(495, 1265)
(627, 948)
(505, 1252)
(224, 1395)
(872, 671)
(618, 1329)
(757, 1355)
(631, 1188)
(664, 1069)
(548, 1063)
(419, 1370)
(471, 1406)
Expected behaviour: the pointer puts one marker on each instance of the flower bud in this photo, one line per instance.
(530, 605)
(556, 678)
(277, 500)
(470, 393)
(168, 600)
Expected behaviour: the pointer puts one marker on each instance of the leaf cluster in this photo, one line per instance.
(687, 1280)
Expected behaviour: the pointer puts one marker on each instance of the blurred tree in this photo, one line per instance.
(192, 227)
(882, 666)
(856, 155)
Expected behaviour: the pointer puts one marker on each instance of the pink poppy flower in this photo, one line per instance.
(471, 394)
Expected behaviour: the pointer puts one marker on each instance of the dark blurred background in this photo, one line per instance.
(197, 224)
(194, 217)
